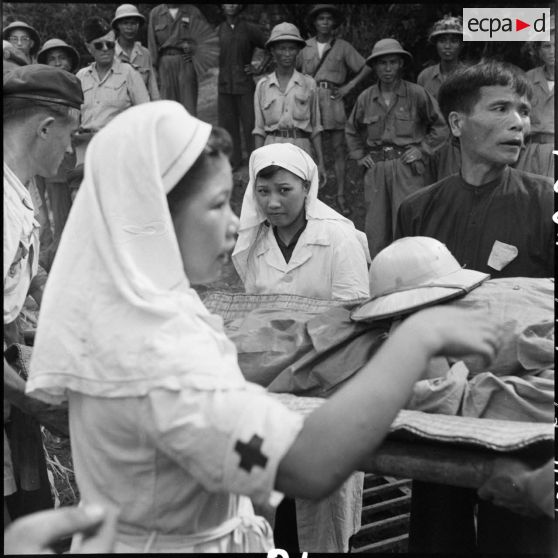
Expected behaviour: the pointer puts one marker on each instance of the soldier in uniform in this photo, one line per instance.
(394, 125)
(328, 59)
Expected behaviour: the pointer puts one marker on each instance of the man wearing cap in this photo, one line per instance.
(109, 85)
(394, 126)
(24, 37)
(171, 47)
(447, 36)
(286, 102)
(542, 78)
(497, 220)
(58, 53)
(328, 59)
(40, 112)
(126, 23)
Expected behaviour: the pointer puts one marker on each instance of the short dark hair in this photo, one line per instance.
(219, 143)
(461, 91)
(15, 108)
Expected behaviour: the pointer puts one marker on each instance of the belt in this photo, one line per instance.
(290, 133)
(327, 85)
(171, 51)
(387, 153)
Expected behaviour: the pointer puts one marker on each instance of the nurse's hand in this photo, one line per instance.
(37, 532)
(366, 161)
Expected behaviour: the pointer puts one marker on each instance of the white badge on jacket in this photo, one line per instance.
(501, 255)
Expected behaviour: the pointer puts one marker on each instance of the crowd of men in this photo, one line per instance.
(464, 155)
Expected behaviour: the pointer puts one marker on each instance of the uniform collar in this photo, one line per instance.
(119, 50)
(400, 91)
(297, 77)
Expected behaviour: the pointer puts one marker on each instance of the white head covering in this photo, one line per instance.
(118, 315)
(297, 161)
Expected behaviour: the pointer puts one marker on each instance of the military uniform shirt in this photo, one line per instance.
(121, 88)
(141, 62)
(413, 118)
(542, 113)
(297, 107)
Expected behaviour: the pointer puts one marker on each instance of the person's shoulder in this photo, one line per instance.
(427, 72)
(83, 72)
(534, 73)
(157, 10)
(309, 80)
(530, 181)
(415, 88)
(335, 231)
(424, 195)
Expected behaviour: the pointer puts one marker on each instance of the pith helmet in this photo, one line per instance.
(412, 273)
(331, 8)
(448, 25)
(285, 32)
(59, 43)
(125, 11)
(387, 46)
(22, 25)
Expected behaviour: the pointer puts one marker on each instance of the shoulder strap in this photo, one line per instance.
(322, 59)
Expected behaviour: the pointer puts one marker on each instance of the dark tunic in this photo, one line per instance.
(515, 209)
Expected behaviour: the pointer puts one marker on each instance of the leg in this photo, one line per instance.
(377, 224)
(188, 86)
(247, 119)
(227, 115)
(339, 153)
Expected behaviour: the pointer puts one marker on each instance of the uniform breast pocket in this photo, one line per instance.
(404, 123)
(335, 67)
(373, 125)
(161, 32)
(269, 109)
(115, 94)
(301, 109)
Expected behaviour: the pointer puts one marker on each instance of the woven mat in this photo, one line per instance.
(231, 306)
(498, 435)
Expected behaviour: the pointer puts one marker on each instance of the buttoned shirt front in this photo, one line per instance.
(121, 88)
(163, 30)
(413, 118)
(21, 244)
(140, 60)
(431, 78)
(297, 107)
(237, 45)
(342, 58)
(542, 113)
(328, 262)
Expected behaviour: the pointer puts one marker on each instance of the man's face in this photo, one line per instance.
(128, 27)
(388, 68)
(230, 9)
(21, 40)
(284, 53)
(324, 22)
(495, 129)
(59, 58)
(547, 52)
(56, 143)
(102, 49)
(449, 46)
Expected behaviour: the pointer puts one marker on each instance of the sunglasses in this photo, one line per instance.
(99, 45)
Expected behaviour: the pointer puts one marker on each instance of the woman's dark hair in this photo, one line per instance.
(219, 143)
(271, 170)
(461, 91)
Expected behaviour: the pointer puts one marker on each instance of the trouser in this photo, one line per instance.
(443, 521)
(386, 185)
(234, 111)
(303, 143)
(179, 82)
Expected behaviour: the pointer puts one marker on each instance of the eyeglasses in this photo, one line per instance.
(15, 40)
(99, 45)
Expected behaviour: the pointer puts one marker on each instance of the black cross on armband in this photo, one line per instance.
(250, 453)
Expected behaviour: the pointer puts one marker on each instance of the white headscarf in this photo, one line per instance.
(297, 161)
(118, 315)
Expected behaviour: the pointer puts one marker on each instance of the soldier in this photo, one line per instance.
(447, 35)
(328, 59)
(24, 37)
(286, 101)
(394, 125)
(171, 49)
(235, 101)
(126, 23)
